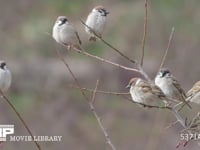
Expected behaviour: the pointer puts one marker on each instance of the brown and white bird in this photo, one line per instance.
(147, 93)
(5, 77)
(96, 21)
(170, 86)
(193, 95)
(65, 33)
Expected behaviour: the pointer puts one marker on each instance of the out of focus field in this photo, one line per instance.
(41, 88)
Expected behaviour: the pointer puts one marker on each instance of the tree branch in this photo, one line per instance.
(108, 44)
(20, 118)
(167, 50)
(92, 108)
(99, 91)
(89, 102)
(145, 33)
(106, 61)
(140, 69)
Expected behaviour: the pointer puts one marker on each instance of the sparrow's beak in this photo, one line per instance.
(107, 12)
(128, 86)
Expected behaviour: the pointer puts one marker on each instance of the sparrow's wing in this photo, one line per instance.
(79, 40)
(181, 93)
(144, 86)
(147, 87)
(157, 91)
(179, 89)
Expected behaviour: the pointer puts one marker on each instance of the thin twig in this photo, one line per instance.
(179, 117)
(144, 73)
(171, 125)
(124, 96)
(20, 118)
(104, 60)
(99, 119)
(167, 50)
(87, 99)
(99, 91)
(141, 71)
(72, 74)
(145, 33)
(94, 92)
(108, 44)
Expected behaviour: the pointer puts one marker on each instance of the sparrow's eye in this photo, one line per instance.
(100, 11)
(103, 12)
(165, 74)
(3, 65)
(64, 20)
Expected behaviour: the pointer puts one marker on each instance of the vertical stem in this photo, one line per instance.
(167, 50)
(20, 118)
(145, 33)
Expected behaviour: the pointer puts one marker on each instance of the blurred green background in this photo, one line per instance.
(41, 88)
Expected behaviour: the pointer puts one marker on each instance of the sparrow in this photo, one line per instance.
(147, 93)
(65, 33)
(96, 21)
(193, 95)
(5, 77)
(170, 86)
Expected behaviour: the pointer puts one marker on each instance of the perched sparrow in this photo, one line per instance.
(193, 95)
(147, 93)
(170, 86)
(5, 77)
(65, 33)
(96, 21)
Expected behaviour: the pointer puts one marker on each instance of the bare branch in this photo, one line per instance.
(167, 50)
(72, 74)
(108, 44)
(20, 118)
(145, 33)
(89, 102)
(124, 96)
(94, 92)
(171, 124)
(99, 119)
(141, 71)
(179, 117)
(104, 60)
(99, 91)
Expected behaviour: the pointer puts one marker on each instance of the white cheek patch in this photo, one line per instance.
(59, 22)
(94, 10)
(160, 75)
